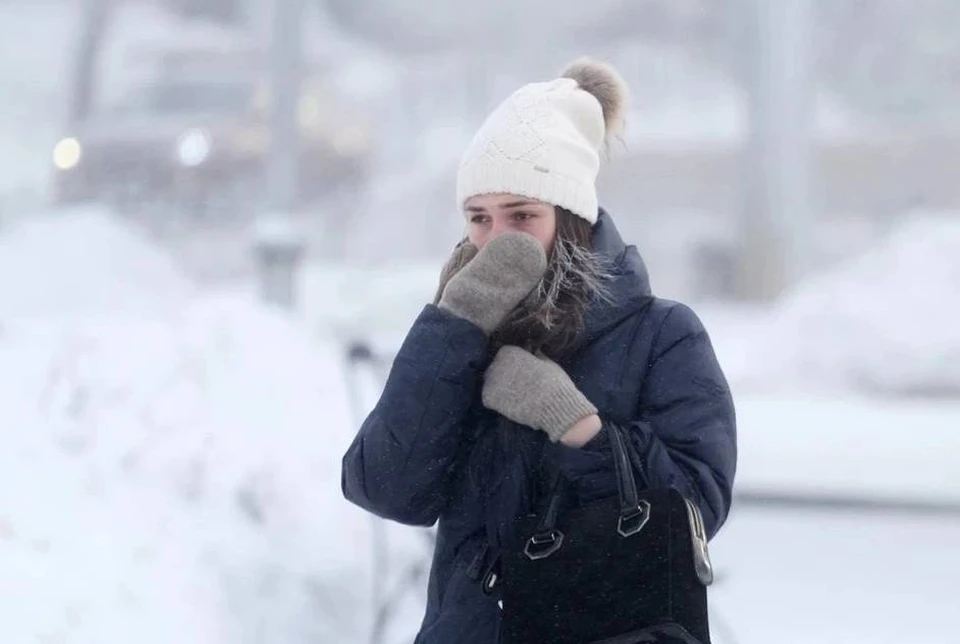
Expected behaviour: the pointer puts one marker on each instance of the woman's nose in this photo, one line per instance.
(498, 228)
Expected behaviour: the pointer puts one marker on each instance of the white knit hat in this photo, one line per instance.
(544, 141)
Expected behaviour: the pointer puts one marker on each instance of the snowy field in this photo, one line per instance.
(170, 470)
(815, 577)
(174, 478)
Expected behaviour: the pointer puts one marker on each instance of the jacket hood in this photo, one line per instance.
(629, 281)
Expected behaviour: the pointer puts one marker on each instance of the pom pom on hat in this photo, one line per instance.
(543, 142)
(606, 85)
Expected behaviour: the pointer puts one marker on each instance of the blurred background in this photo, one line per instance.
(219, 217)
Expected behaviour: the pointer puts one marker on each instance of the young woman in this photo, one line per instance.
(544, 330)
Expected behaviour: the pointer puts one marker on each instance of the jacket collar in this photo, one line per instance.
(628, 283)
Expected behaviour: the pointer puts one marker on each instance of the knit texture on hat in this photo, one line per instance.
(543, 142)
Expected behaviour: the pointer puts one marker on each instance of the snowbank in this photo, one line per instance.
(354, 302)
(883, 322)
(176, 479)
(849, 447)
(855, 578)
(171, 460)
(84, 261)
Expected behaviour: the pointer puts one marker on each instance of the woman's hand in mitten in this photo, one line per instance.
(496, 280)
(460, 257)
(536, 392)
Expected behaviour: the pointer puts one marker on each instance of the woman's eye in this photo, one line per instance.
(478, 219)
(522, 216)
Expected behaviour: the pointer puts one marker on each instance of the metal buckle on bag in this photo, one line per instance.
(701, 554)
(632, 521)
(490, 581)
(491, 576)
(541, 546)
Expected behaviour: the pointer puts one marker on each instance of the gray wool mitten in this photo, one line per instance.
(534, 391)
(460, 257)
(495, 281)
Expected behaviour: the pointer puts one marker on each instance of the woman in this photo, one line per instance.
(544, 330)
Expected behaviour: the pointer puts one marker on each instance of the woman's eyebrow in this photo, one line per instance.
(504, 206)
(515, 204)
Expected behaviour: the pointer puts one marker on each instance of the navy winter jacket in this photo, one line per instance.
(429, 451)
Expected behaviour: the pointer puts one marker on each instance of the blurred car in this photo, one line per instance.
(198, 140)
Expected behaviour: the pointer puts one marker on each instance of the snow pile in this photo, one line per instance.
(171, 461)
(899, 451)
(82, 261)
(176, 479)
(171, 464)
(771, 563)
(885, 321)
(354, 302)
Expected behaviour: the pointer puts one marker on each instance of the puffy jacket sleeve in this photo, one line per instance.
(686, 429)
(402, 459)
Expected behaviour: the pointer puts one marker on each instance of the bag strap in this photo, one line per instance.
(547, 539)
(635, 458)
(634, 512)
(626, 484)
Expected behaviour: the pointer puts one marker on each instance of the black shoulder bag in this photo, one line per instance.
(621, 570)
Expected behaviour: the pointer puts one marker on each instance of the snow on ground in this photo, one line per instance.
(356, 302)
(816, 577)
(98, 265)
(845, 446)
(882, 322)
(183, 467)
(171, 469)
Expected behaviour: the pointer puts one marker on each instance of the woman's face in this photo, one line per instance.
(489, 216)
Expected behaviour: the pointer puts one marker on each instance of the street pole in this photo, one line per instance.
(93, 26)
(285, 73)
(279, 245)
(776, 225)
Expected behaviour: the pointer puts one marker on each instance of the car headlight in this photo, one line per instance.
(194, 147)
(67, 154)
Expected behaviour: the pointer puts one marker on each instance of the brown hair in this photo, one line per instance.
(553, 316)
